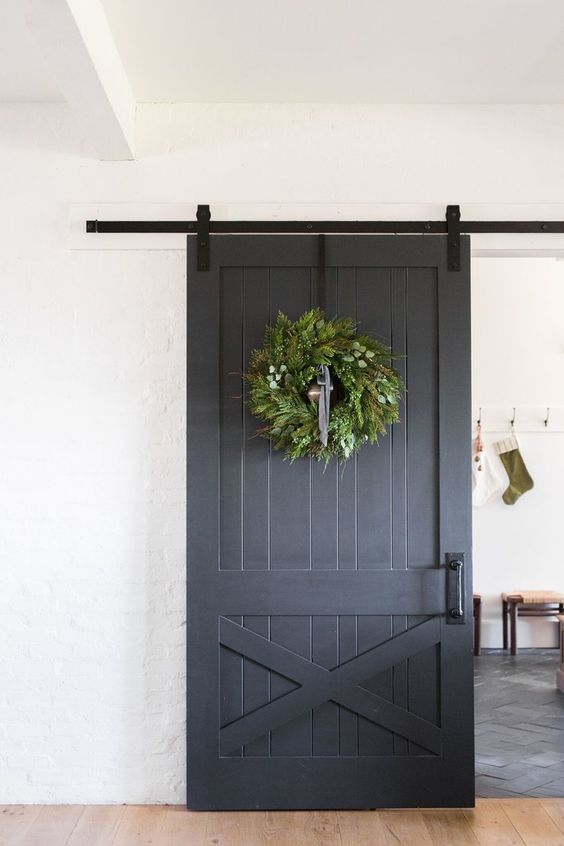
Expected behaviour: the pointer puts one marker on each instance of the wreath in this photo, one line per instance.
(321, 389)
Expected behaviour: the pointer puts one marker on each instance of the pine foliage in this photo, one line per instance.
(281, 371)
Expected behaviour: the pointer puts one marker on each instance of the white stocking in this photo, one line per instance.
(487, 479)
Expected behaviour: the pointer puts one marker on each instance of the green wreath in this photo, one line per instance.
(282, 386)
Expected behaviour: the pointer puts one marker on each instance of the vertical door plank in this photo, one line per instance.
(348, 722)
(202, 518)
(422, 471)
(324, 478)
(324, 651)
(490, 825)
(256, 494)
(53, 825)
(231, 687)
(373, 504)
(256, 458)
(294, 737)
(230, 481)
(346, 476)
(290, 516)
(140, 825)
(374, 500)
(347, 536)
(97, 826)
(15, 821)
(347, 531)
(422, 409)
(290, 523)
(231, 436)
(372, 738)
(398, 443)
(324, 556)
(449, 827)
(455, 507)
(256, 687)
(533, 822)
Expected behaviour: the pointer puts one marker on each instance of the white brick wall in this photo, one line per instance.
(92, 500)
(92, 351)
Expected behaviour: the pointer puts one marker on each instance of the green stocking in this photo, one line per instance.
(519, 479)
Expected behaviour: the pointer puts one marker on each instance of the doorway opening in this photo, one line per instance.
(518, 404)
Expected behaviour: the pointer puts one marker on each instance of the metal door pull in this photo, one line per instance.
(455, 587)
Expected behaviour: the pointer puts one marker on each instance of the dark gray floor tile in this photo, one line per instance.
(545, 759)
(519, 725)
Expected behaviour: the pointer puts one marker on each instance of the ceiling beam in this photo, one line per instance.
(76, 40)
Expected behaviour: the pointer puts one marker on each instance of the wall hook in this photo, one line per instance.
(513, 419)
(479, 420)
(546, 418)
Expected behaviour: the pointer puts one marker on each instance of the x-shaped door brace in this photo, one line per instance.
(319, 685)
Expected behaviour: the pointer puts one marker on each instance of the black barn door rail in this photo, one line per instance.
(452, 226)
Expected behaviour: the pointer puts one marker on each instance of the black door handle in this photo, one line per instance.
(455, 587)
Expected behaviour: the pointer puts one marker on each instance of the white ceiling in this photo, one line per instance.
(318, 51)
(24, 76)
(342, 51)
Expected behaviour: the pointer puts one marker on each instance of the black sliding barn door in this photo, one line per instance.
(322, 668)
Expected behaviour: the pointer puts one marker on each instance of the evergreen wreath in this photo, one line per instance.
(284, 368)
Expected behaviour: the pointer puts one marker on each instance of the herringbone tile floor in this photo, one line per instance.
(519, 725)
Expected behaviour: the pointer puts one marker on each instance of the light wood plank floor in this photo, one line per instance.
(494, 822)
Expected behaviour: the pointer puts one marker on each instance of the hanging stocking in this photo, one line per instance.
(486, 479)
(519, 480)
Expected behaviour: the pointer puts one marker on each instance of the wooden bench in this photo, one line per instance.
(527, 603)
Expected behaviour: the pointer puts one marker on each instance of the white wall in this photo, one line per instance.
(92, 387)
(518, 360)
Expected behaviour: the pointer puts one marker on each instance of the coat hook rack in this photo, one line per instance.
(533, 419)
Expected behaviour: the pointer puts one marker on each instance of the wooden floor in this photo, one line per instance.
(494, 822)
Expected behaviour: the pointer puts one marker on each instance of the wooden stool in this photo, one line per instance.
(528, 603)
(478, 624)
